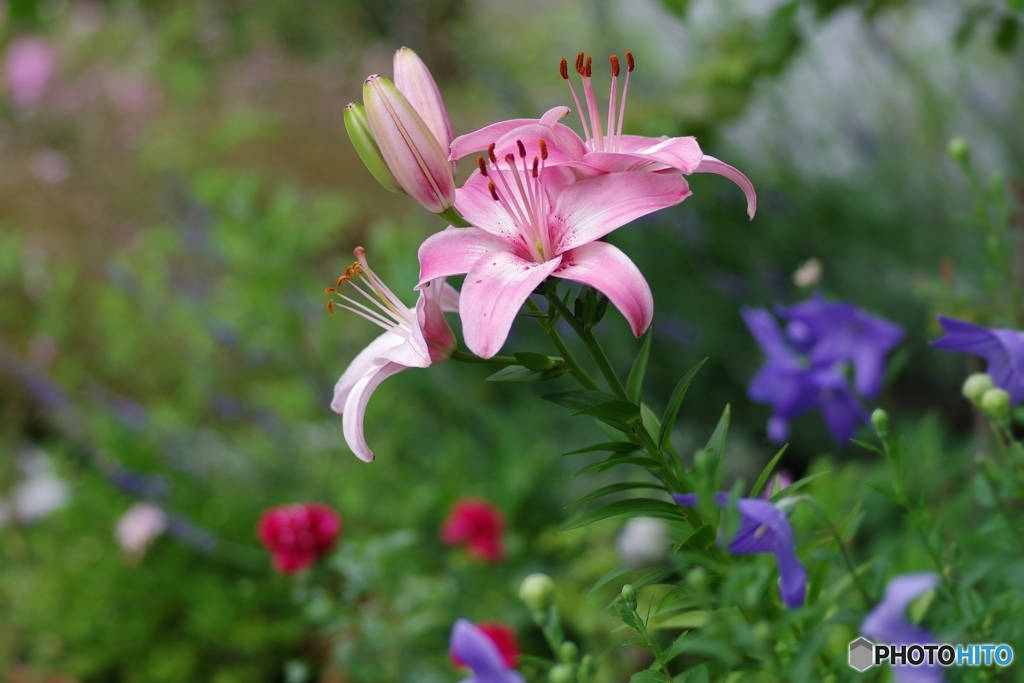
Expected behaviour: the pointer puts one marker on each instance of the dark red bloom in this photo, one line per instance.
(503, 637)
(478, 525)
(298, 535)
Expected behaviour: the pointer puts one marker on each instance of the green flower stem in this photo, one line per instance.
(463, 357)
(455, 218)
(857, 579)
(575, 369)
(601, 358)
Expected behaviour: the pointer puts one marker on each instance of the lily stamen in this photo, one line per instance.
(594, 137)
(392, 315)
(526, 202)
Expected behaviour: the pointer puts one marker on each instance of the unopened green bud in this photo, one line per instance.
(629, 594)
(537, 591)
(996, 403)
(975, 387)
(697, 578)
(568, 652)
(359, 133)
(562, 673)
(959, 150)
(880, 419)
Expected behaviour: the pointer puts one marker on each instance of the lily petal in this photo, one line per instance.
(590, 209)
(413, 79)
(712, 165)
(481, 139)
(409, 147)
(492, 294)
(366, 363)
(437, 332)
(605, 268)
(454, 251)
(355, 408)
(475, 203)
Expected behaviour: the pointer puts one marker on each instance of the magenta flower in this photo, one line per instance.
(603, 150)
(298, 535)
(477, 649)
(888, 624)
(413, 338)
(764, 529)
(534, 221)
(478, 525)
(1003, 351)
(30, 65)
(414, 80)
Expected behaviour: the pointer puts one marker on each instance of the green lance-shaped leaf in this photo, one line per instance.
(518, 373)
(766, 473)
(534, 361)
(367, 148)
(635, 381)
(668, 419)
(648, 507)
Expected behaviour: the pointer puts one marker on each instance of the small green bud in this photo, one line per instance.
(562, 673)
(697, 578)
(880, 419)
(367, 148)
(629, 594)
(959, 150)
(975, 387)
(996, 403)
(568, 652)
(537, 591)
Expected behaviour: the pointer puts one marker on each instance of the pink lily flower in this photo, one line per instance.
(413, 338)
(539, 220)
(603, 149)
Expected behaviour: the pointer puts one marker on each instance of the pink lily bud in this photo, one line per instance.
(413, 79)
(409, 147)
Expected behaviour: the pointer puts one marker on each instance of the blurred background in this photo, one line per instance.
(176, 190)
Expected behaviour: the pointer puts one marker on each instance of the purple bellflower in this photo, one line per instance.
(471, 645)
(836, 332)
(764, 529)
(1003, 351)
(792, 385)
(888, 624)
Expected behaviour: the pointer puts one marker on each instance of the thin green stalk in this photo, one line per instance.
(596, 351)
(463, 357)
(589, 341)
(575, 369)
(842, 549)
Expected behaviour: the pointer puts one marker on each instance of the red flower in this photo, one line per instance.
(298, 535)
(503, 637)
(478, 525)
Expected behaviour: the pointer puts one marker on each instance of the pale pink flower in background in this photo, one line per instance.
(602, 150)
(39, 494)
(534, 221)
(30, 65)
(140, 526)
(414, 338)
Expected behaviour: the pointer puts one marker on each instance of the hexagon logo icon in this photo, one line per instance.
(861, 654)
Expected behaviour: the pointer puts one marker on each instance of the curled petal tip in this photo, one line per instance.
(710, 164)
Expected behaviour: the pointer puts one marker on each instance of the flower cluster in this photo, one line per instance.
(536, 206)
(298, 535)
(806, 366)
(477, 525)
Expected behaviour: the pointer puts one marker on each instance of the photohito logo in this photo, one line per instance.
(864, 654)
